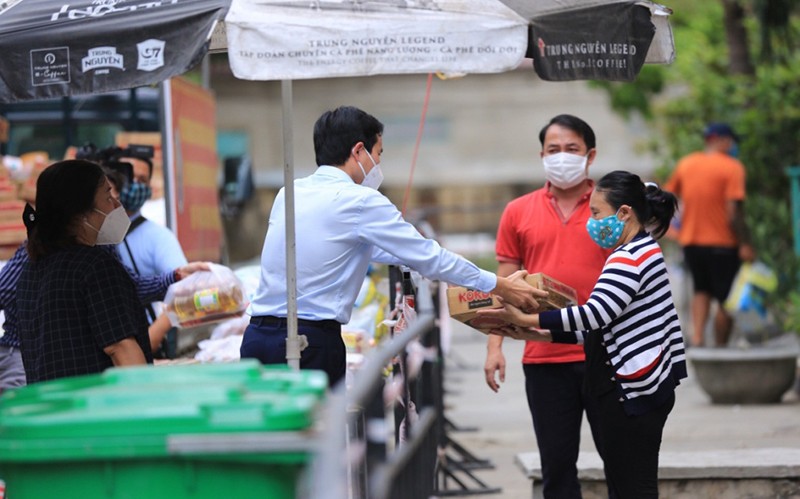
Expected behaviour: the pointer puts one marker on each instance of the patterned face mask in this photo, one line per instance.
(606, 231)
(134, 195)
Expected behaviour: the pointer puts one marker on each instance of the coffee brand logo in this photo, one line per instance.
(50, 66)
(101, 59)
(151, 54)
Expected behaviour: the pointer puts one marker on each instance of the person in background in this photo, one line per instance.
(148, 288)
(346, 223)
(12, 373)
(713, 231)
(78, 312)
(544, 231)
(148, 248)
(635, 355)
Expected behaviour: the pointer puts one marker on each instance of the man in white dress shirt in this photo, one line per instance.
(343, 223)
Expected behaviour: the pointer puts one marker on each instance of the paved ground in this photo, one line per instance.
(504, 427)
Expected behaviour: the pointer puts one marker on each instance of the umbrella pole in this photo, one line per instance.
(294, 343)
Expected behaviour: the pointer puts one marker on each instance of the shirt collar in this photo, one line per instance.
(584, 197)
(333, 172)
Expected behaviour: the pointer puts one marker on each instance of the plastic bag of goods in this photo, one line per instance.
(205, 297)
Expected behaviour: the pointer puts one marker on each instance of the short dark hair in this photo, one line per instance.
(573, 123)
(652, 206)
(337, 131)
(65, 191)
(149, 161)
(118, 179)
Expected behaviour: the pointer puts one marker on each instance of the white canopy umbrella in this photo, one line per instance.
(288, 40)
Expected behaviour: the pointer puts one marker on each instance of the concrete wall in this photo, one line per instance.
(480, 146)
(763, 488)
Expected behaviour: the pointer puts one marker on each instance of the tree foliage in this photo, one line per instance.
(763, 105)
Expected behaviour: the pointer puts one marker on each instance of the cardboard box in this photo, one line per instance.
(464, 303)
(559, 294)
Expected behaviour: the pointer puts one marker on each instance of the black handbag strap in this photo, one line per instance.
(136, 223)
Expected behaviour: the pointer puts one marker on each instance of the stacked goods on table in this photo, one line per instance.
(464, 303)
(18, 178)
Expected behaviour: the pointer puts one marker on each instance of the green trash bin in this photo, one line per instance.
(235, 430)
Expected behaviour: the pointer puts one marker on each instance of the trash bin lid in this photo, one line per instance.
(133, 411)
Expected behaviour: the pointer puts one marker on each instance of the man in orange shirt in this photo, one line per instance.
(713, 233)
(545, 231)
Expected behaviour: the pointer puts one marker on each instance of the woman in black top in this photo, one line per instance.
(78, 308)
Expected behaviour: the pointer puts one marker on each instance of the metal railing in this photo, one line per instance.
(357, 453)
(358, 464)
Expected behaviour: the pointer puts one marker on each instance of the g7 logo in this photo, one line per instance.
(151, 52)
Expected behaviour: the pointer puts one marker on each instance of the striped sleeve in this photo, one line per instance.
(10, 275)
(615, 289)
(149, 288)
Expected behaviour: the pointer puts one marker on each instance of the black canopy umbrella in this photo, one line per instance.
(52, 48)
(595, 40)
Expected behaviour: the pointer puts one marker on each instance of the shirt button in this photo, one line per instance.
(622, 399)
(603, 343)
(612, 378)
(608, 362)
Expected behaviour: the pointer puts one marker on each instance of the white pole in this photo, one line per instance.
(293, 341)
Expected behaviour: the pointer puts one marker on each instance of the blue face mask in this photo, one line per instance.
(134, 195)
(606, 231)
(733, 152)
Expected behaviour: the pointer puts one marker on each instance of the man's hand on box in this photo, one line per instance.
(515, 290)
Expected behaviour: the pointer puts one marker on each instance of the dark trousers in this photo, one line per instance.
(556, 400)
(630, 447)
(265, 340)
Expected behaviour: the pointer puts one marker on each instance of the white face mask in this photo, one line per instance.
(374, 178)
(114, 227)
(564, 170)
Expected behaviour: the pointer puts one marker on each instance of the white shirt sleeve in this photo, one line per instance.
(382, 225)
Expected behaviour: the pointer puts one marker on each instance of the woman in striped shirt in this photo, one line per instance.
(629, 327)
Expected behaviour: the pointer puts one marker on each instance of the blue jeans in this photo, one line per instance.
(265, 340)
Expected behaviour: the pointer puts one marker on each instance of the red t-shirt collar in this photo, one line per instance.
(586, 195)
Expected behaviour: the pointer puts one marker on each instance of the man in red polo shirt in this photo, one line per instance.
(545, 231)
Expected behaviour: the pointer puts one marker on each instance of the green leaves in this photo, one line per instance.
(764, 108)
